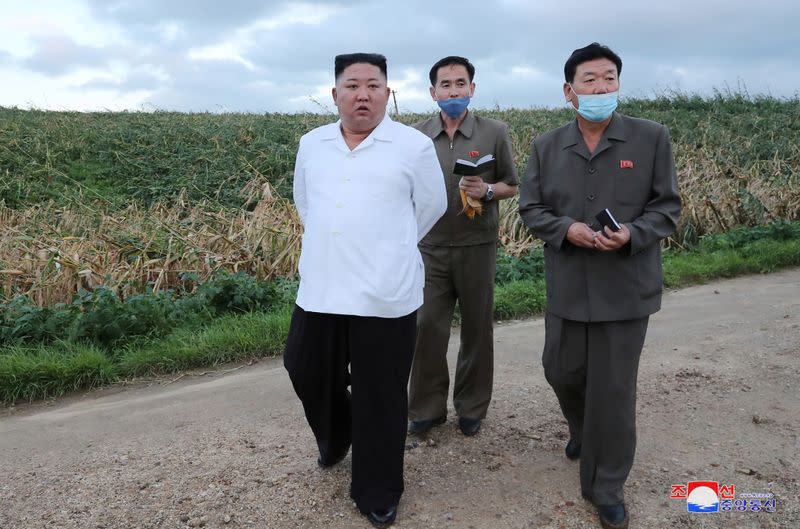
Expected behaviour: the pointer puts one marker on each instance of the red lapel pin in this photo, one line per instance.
(626, 164)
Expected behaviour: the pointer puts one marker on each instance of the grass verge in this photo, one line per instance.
(227, 339)
(757, 257)
(42, 371)
(30, 373)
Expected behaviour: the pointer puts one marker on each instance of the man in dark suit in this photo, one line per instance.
(602, 285)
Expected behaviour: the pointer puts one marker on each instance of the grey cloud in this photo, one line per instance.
(705, 76)
(200, 22)
(55, 55)
(203, 21)
(432, 38)
(194, 13)
(410, 40)
(212, 86)
(685, 44)
(133, 81)
(540, 37)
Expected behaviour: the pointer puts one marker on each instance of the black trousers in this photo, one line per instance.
(373, 415)
(593, 367)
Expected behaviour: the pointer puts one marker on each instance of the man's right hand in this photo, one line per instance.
(473, 186)
(581, 234)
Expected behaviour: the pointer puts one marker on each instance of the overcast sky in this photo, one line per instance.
(277, 56)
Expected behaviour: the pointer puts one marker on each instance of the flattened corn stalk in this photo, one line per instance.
(138, 249)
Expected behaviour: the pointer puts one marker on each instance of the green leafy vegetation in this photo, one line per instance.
(144, 157)
(102, 319)
(148, 243)
(236, 317)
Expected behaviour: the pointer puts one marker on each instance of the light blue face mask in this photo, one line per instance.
(597, 107)
(454, 107)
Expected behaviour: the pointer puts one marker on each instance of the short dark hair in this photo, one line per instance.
(451, 61)
(589, 53)
(341, 62)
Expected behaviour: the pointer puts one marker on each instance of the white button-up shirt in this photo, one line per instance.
(363, 213)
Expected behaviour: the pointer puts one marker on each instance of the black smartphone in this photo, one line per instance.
(606, 218)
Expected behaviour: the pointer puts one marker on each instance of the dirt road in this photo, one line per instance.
(718, 401)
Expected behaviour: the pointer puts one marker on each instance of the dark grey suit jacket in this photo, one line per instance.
(632, 172)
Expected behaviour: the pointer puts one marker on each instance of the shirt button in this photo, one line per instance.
(591, 170)
(590, 197)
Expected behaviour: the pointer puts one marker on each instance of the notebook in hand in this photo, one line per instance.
(605, 218)
(468, 168)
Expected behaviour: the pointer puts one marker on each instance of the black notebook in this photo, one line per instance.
(468, 168)
(605, 218)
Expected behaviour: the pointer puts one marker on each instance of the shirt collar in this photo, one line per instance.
(466, 127)
(616, 130)
(381, 133)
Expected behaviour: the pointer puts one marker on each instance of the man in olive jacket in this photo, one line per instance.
(460, 255)
(602, 285)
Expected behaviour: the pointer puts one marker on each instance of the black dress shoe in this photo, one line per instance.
(424, 425)
(469, 426)
(573, 449)
(613, 516)
(383, 517)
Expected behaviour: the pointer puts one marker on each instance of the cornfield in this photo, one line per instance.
(136, 201)
(48, 253)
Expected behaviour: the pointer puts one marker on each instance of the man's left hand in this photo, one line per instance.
(473, 186)
(608, 240)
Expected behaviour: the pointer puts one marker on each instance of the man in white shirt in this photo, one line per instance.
(367, 190)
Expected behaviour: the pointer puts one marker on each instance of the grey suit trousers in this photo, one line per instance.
(592, 367)
(465, 274)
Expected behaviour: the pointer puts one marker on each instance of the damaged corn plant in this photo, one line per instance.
(135, 201)
(140, 243)
(50, 252)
